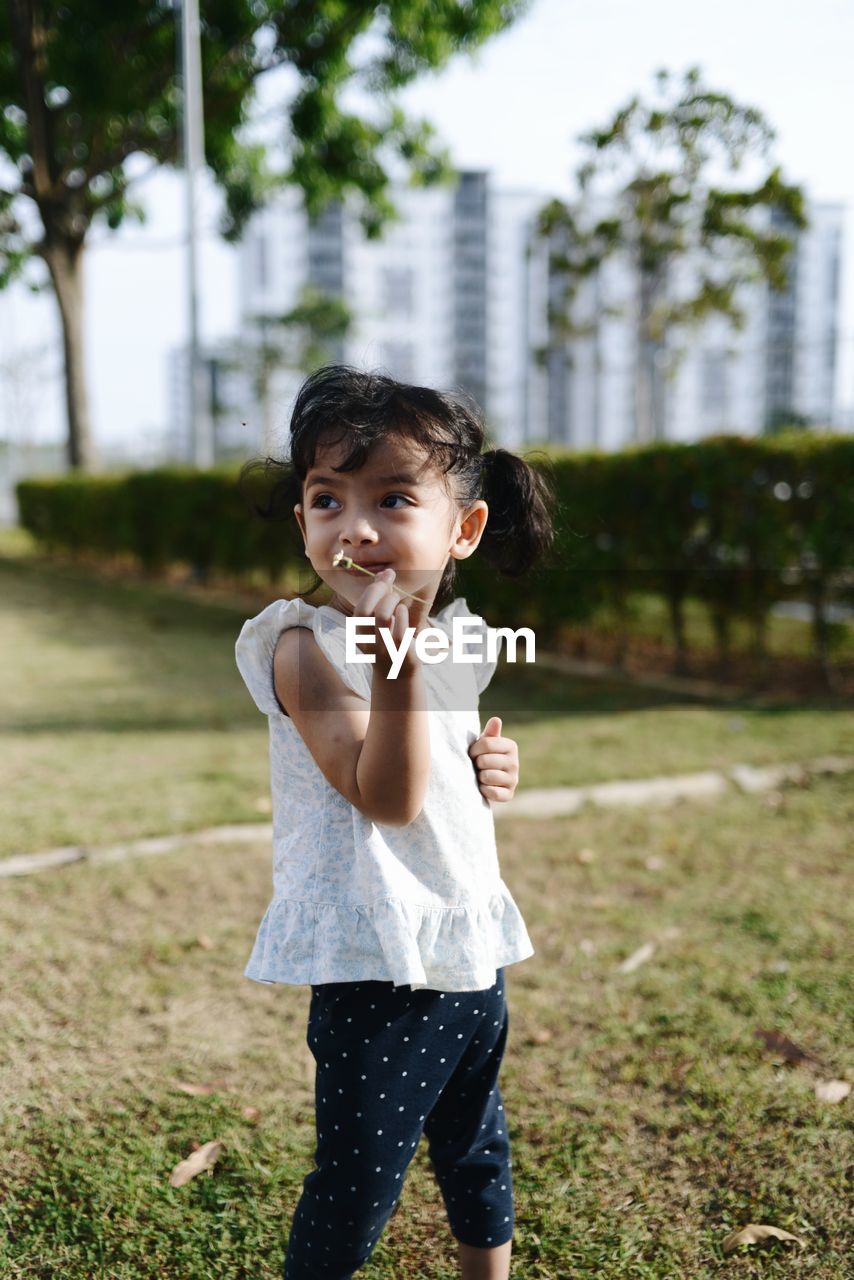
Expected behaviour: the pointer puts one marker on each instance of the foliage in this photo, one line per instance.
(647, 194)
(102, 86)
(738, 523)
(86, 87)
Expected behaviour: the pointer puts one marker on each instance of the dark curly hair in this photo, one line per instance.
(339, 404)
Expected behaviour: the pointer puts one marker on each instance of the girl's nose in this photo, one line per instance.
(357, 529)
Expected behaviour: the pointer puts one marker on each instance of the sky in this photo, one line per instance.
(515, 108)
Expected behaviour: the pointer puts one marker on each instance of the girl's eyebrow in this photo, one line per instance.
(402, 477)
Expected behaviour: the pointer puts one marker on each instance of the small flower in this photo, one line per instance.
(340, 559)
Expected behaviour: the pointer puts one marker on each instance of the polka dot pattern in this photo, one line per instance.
(372, 1107)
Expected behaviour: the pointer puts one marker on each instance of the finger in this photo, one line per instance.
(495, 778)
(492, 728)
(493, 760)
(379, 602)
(399, 623)
(496, 793)
(502, 746)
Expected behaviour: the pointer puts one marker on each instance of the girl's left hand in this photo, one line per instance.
(496, 760)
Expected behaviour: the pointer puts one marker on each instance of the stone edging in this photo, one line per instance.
(542, 802)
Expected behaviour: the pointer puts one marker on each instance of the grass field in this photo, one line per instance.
(125, 716)
(647, 1119)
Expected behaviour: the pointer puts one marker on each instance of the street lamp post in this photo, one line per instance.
(194, 159)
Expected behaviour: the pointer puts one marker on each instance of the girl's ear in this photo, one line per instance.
(471, 529)
(301, 523)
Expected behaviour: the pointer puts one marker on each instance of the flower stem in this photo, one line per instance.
(339, 559)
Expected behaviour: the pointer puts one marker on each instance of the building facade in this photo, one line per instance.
(459, 294)
(781, 366)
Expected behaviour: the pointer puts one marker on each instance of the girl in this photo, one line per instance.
(388, 899)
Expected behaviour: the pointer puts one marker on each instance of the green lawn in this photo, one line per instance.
(647, 1120)
(124, 715)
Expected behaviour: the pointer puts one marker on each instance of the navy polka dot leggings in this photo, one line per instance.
(393, 1063)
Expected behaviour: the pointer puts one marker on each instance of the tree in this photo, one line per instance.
(85, 85)
(303, 338)
(664, 210)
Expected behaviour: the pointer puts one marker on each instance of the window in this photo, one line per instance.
(260, 264)
(714, 386)
(397, 290)
(399, 360)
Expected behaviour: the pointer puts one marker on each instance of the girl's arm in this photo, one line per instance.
(378, 759)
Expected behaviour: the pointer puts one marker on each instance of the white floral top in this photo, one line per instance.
(422, 905)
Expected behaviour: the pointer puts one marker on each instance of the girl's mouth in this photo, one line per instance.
(374, 568)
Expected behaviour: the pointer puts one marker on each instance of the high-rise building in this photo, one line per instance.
(781, 366)
(459, 294)
(441, 299)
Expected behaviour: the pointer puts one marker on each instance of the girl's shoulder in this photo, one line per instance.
(256, 646)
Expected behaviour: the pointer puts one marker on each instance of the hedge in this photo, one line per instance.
(738, 523)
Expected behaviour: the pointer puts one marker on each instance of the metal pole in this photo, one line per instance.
(194, 159)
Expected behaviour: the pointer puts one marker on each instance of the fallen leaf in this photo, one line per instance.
(786, 1048)
(204, 942)
(203, 1158)
(832, 1090)
(637, 958)
(585, 855)
(654, 863)
(753, 1233)
(251, 1113)
(541, 1036)
(202, 1090)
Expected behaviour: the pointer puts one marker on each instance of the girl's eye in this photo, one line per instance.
(321, 496)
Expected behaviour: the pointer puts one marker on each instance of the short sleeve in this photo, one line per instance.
(330, 632)
(257, 641)
(256, 644)
(483, 670)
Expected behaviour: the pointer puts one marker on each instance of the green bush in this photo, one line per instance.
(739, 523)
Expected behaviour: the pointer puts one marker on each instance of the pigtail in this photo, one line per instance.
(521, 527)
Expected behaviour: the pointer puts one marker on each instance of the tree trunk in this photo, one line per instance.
(675, 604)
(821, 646)
(644, 392)
(720, 624)
(64, 257)
(649, 417)
(759, 649)
(650, 408)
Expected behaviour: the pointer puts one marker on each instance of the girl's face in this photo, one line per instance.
(393, 512)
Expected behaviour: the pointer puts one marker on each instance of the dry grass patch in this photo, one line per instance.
(648, 1122)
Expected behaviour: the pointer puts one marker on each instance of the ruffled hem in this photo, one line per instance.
(409, 944)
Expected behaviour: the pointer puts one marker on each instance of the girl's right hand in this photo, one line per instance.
(381, 602)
